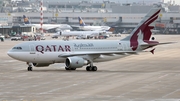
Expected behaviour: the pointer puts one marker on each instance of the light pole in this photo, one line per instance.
(41, 18)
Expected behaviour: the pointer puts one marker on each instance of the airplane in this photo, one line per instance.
(78, 53)
(85, 34)
(84, 27)
(76, 33)
(47, 26)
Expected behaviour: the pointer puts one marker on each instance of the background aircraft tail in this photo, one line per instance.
(81, 22)
(26, 20)
(111, 29)
(142, 32)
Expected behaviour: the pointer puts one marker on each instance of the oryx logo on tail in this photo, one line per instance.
(144, 29)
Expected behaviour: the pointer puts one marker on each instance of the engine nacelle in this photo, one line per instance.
(41, 64)
(75, 62)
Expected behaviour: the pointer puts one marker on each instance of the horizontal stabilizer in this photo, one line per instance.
(155, 43)
(166, 43)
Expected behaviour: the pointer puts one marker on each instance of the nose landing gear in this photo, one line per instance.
(29, 66)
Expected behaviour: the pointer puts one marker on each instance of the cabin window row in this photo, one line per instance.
(99, 48)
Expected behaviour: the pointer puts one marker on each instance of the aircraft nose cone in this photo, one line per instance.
(14, 55)
(10, 54)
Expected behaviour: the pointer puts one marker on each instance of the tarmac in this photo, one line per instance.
(142, 77)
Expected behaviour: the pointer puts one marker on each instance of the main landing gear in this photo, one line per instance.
(70, 68)
(29, 67)
(88, 68)
(91, 68)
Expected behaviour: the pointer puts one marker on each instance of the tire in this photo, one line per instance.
(67, 68)
(73, 68)
(29, 68)
(88, 68)
(94, 68)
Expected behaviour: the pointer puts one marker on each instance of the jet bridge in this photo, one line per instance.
(13, 30)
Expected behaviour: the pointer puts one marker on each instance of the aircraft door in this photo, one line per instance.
(120, 47)
(124, 46)
(32, 49)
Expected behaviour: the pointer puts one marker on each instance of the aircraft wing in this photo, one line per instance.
(51, 27)
(98, 53)
(45, 27)
(75, 26)
(98, 30)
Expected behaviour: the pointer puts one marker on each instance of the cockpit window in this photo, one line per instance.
(17, 48)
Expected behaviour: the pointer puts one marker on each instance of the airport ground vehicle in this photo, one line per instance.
(54, 36)
(2, 37)
(16, 38)
(81, 37)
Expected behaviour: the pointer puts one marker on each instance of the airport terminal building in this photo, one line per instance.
(121, 16)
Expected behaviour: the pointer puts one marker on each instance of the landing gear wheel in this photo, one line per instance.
(67, 68)
(94, 68)
(70, 68)
(29, 68)
(88, 68)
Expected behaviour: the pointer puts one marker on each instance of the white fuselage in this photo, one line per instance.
(52, 26)
(94, 28)
(57, 51)
(78, 33)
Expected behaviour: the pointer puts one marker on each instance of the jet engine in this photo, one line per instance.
(41, 64)
(75, 62)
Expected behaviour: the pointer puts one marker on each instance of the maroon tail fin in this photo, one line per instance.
(111, 29)
(143, 29)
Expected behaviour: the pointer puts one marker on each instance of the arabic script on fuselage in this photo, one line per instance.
(83, 45)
